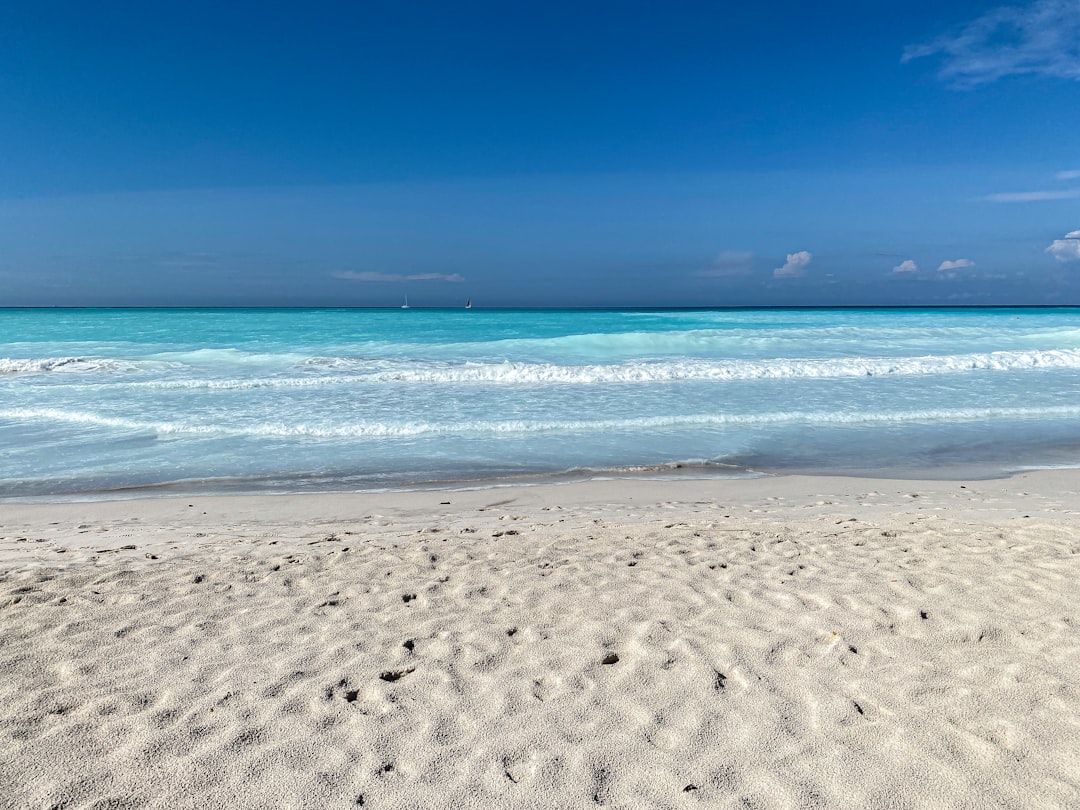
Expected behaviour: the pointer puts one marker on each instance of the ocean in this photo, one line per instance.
(124, 402)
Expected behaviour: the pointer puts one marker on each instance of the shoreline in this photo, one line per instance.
(662, 472)
(594, 492)
(786, 641)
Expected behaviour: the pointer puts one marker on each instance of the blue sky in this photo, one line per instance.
(558, 154)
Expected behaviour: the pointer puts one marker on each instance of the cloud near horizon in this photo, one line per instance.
(1040, 39)
(1032, 196)
(1066, 249)
(906, 266)
(349, 275)
(1070, 174)
(795, 265)
(955, 264)
(730, 263)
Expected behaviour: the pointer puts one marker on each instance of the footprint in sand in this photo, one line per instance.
(392, 675)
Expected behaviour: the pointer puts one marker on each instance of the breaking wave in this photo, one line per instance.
(732, 370)
(380, 430)
(41, 365)
(366, 370)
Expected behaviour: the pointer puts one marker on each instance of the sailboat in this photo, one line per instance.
(406, 304)
(468, 304)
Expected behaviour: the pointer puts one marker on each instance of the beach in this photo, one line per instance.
(540, 407)
(773, 642)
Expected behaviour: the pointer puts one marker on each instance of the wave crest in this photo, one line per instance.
(390, 430)
(353, 371)
(730, 370)
(41, 365)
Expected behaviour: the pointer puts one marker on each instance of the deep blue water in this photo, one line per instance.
(95, 401)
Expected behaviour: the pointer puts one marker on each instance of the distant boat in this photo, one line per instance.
(468, 304)
(406, 304)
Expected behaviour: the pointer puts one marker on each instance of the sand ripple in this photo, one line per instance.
(689, 661)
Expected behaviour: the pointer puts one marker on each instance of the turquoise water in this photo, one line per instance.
(97, 401)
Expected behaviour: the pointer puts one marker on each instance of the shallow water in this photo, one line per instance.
(211, 400)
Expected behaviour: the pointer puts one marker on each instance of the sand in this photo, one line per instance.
(773, 643)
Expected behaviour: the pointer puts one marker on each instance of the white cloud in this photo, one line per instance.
(956, 264)
(1040, 39)
(1071, 174)
(794, 266)
(906, 266)
(349, 275)
(730, 263)
(1067, 249)
(1032, 196)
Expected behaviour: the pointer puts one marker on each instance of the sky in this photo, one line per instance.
(539, 154)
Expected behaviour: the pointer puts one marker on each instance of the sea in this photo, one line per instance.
(98, 403)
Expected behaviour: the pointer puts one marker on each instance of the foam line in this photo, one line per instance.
(365, 370)
(378, 430)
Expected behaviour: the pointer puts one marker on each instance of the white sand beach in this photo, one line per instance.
(785, 642)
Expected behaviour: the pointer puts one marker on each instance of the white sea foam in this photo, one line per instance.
(517, 373)
(90, 418)
(377, 430)
(40, 365)
(725, 370)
